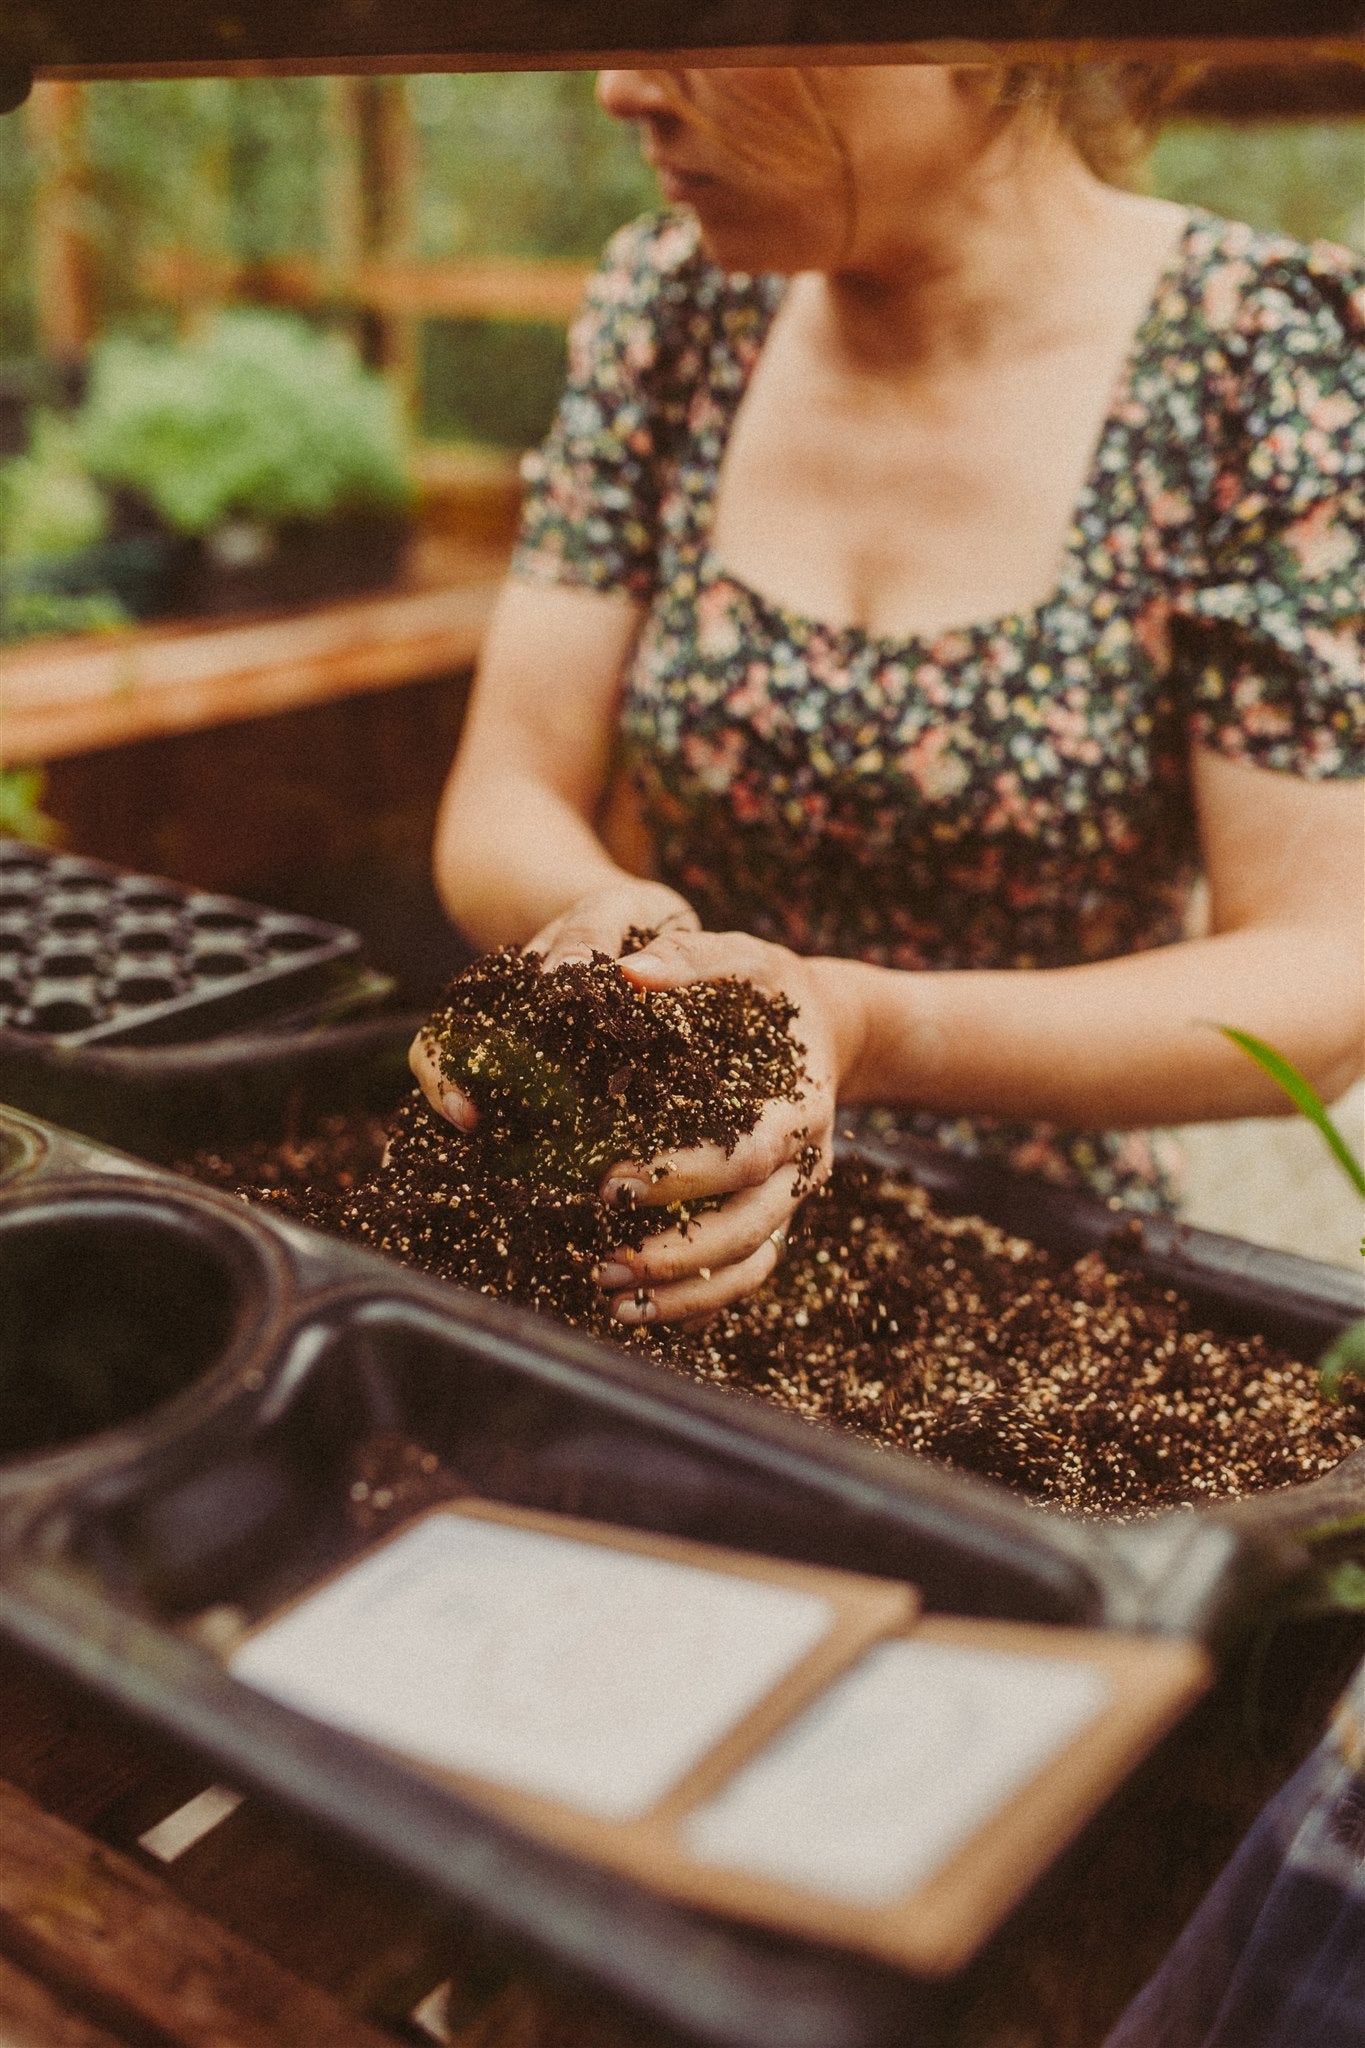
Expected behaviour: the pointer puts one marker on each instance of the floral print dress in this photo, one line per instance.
(1015, 793)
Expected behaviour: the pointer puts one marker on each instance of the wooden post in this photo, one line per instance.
(64, 277)
(388, 192)
(343, 201)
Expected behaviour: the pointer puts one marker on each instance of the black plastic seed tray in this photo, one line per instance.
(185, 1384)
(93, 956)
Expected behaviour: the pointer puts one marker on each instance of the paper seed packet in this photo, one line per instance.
(780, 1742)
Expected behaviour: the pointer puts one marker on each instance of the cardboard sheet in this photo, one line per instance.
(784, 1743)
(579, 1671)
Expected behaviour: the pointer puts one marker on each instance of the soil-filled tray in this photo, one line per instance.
(298, 1397)
(1080, 1371)
(1048, 1349)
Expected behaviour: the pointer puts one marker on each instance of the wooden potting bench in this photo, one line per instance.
(229, 1928)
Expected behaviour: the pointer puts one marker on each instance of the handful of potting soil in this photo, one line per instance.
(570, 1072)
(577, 1068)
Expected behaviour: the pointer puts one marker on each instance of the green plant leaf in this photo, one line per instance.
(1336, 1589)
(1304, 1096)
(21, 806)
(1344, 1360)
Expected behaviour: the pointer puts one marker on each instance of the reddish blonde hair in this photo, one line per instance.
(1109, 113)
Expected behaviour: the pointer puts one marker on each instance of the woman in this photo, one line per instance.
(942, 556)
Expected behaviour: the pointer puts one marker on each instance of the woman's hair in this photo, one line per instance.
(1109, 113)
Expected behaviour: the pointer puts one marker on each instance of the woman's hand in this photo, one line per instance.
(724, 1253)
(603, 921)
(597, 923)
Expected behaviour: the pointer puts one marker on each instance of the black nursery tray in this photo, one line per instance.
(179, 1439)
(93, 956)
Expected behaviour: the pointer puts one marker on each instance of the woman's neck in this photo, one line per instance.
(995, 265)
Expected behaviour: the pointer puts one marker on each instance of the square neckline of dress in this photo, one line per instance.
(800, 627)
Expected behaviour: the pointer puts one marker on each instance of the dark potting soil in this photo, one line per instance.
(1082, 1384)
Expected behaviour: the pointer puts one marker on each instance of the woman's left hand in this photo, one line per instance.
(727, 1251)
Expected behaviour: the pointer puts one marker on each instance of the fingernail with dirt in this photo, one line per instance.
(458, 1108)
(641, 1308)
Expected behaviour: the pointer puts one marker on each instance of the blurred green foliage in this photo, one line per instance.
(494, 382)
(21, 807)
(223, 166)
(1306, 178)
(50, 514)
(16, 266)
(48, 503)
(262, 416)
(522, 164)
(36, 614)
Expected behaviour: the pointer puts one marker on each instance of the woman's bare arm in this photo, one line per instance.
(518, 859)
(517, 853)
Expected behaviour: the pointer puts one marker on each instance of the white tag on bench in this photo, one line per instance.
(883, 1778)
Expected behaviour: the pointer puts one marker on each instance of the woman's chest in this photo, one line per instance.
(906, 504)
(906, 520)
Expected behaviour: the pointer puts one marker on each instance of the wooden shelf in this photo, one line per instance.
(77, 696)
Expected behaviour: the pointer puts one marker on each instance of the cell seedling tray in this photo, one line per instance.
(91, 955)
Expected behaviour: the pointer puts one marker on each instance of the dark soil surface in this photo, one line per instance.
(1079, 1384)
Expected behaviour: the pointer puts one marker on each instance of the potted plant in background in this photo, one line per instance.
(273, 458)
(59, 569)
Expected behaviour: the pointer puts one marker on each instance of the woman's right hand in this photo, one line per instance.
(603, 921)
(600, 922)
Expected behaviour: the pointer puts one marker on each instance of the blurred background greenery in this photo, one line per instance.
(518, 165)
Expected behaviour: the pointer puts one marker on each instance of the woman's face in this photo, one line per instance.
(802, 170)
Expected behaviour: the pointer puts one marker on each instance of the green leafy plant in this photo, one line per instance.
(1346, 1357)
(49, 505)
(262, 418)
(1304, 1097)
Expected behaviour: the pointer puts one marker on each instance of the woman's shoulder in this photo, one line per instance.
(652, 251)
(659, 315)
(1263, 351)
(1260, 294)
(660, 258)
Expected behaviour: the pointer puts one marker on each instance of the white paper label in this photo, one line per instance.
(582, 1673)
(878, 1783)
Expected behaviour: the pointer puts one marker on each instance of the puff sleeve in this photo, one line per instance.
(591, 509)
(1273, 632)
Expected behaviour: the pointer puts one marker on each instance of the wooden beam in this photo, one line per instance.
(88, 37)
(389, 188)
(1269, 52)
(105, 690)
(32, 2016)
(481, 288)
(343, 199)
(1261, 92)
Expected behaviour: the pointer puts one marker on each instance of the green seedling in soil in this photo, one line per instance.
(1346, 1358)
